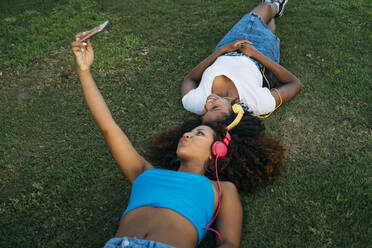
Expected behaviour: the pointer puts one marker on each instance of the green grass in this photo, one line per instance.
(59, 186)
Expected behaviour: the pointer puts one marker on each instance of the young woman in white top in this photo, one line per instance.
(233, 73)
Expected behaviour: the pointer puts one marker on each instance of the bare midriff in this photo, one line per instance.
(159, 224)
(224, 87)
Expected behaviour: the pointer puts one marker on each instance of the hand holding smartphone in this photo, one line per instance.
(86, 35)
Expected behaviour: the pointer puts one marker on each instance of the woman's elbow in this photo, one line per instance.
(295, 83)
(109, 129)
(298, 82)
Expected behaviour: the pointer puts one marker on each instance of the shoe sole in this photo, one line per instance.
(282, 10)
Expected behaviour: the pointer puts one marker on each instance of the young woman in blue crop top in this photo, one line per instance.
(174, 208)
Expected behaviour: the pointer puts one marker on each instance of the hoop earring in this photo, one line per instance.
(176, 163)
(205, 168)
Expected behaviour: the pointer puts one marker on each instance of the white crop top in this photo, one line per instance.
(243, 72)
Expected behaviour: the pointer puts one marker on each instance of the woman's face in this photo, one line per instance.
(216, 108)
(196, 144)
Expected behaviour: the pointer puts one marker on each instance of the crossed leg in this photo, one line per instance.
(267, 12)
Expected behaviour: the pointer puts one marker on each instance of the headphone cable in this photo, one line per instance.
(218, 206)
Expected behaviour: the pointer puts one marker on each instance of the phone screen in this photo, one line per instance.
(94, 31)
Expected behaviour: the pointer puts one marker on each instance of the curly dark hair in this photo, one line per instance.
(253, 157)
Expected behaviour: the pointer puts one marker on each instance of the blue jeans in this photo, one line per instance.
(126, 242)
(252, 28)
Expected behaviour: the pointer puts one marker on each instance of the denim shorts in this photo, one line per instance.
(252, 28)
(126, 242)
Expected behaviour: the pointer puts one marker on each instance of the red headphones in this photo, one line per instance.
(219, 148)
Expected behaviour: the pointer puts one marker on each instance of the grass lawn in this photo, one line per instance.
(60, 187)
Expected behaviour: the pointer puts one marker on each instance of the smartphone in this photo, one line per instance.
(93, 31)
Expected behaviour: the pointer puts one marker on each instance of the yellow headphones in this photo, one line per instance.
(237, 108)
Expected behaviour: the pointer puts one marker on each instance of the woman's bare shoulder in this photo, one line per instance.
(226, 187)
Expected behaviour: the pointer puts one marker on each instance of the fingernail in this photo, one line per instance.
(84, 43)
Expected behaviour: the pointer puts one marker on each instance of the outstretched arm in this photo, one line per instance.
(127, 158)
(195, 75)
(229, 220)
(291, 84)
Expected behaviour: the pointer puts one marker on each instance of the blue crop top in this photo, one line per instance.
(189, 194)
